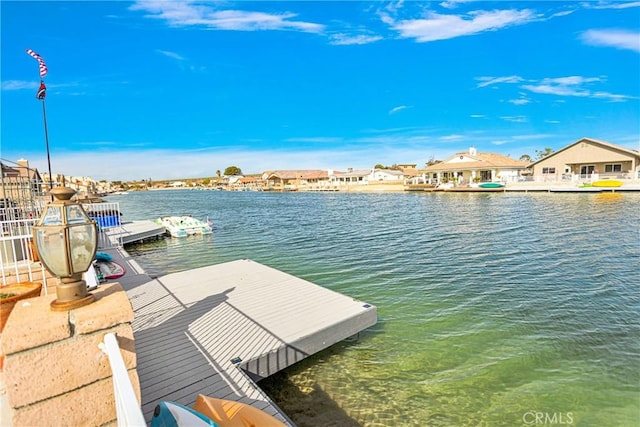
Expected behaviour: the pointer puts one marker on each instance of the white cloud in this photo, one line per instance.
(443, 27)
(488, 81)
(449, 138)
(613, 5)
(345, 39)
(170, 54)
(559, 86)
(514, 119)
(398, 108)
(452, 4)
(179, 164)
(618, 39)
(19, 84)
(188, 13)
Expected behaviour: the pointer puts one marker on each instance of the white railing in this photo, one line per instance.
(17, 253)
(128, 409)
(108, 218)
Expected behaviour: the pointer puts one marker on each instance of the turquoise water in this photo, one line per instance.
(494, 309)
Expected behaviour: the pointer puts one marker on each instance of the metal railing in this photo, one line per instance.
(18, 258)
(108, 218)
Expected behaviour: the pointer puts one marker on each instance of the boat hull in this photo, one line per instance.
(227, 413)
(491, 185)
(183, 226)
(109, 270)
(171, 414)
(607, 183)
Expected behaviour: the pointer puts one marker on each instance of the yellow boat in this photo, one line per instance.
(227, 413)
(607, 183)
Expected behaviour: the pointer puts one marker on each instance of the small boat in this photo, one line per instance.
(171, 414)
(607, 183)
(185, 225)
(108, 270)
(228, 413)
(491, 185)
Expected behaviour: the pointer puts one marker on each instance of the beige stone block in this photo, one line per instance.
(32, 324)
(48, 371)
(93, 405)
(111, 307)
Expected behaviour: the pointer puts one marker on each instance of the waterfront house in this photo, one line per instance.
(468, 167)
(365, 176)
(351, 176)
(295, 179)
(386, 175)
(588, 159)
(18, 180)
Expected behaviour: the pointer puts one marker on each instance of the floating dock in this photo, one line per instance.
(130, 232)
(217, 330)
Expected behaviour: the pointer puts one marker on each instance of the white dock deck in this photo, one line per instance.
(131, 232)
(211, 330)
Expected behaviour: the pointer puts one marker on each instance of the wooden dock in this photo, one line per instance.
(218, 329)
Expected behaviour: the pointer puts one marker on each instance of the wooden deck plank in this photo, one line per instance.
(197, 331)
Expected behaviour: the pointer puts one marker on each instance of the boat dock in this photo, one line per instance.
(130, 232)
(217, 330)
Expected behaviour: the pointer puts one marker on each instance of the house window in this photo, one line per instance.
(615, 167)
(587, 169)
(548, 170)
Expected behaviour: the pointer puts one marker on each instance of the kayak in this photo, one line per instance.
(108, 270)
(171, 414)
(227, 413)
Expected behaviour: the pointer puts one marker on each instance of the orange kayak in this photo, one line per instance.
(227, 413)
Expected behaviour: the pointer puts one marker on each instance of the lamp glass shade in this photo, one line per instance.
(66, 239)
(52, 215)
(83, 244)
(52, 249)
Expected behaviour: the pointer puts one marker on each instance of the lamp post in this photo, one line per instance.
(66, 240)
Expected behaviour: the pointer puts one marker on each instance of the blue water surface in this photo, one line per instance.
(495, 309)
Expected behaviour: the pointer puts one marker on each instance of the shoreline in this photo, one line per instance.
(421, 188)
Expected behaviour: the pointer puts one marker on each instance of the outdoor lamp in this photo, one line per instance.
(66, 240)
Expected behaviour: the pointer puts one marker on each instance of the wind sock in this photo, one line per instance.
(42, 91)
(43, 66)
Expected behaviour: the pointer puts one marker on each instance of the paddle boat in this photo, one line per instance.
(211, 412)
(491, 185)
(607, 183)
(184, 225)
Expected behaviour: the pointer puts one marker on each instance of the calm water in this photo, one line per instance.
(494, 309)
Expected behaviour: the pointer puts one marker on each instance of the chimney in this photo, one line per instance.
(472, 150)
(24, 163)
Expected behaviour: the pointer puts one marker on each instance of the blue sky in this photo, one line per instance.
(162, 90)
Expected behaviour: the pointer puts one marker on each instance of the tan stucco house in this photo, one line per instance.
(471, 167)
(586, 158)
